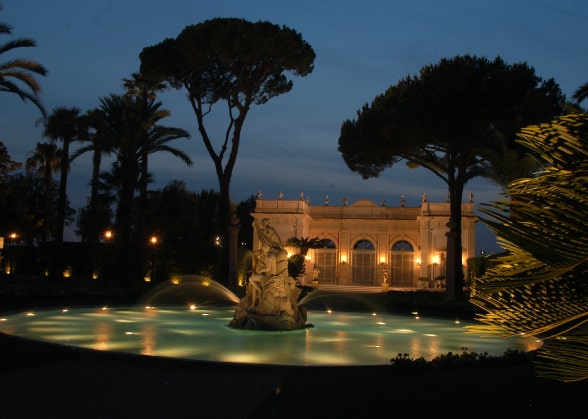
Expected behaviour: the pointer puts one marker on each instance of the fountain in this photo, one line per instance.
(188, 318)
(195, 317)
(271, 298)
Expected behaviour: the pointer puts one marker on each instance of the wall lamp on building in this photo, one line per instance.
(418, 261)
(343, 259)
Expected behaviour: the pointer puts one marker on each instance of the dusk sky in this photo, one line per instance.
(290, 143)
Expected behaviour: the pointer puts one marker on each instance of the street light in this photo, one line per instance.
(108, 239)
(13, 236)
(153, 240)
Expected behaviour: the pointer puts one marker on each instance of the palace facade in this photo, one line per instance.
(363, 243)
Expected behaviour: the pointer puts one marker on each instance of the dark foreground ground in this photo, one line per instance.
(40, 380)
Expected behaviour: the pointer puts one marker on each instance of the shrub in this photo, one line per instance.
(403, 362)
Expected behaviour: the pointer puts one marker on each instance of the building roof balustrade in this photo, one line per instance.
(384, 213)
(360, 209)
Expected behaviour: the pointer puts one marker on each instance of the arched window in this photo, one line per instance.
(363, 263)
(364, 245)
(325, 259)
(402, 246)
(402, 266)
(327, 244)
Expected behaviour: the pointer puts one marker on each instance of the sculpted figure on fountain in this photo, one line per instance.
(271, 297)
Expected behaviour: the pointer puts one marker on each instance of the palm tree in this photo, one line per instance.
(145, 90)
(139, 86)
(297, 263)
(539, 287)
(304, 244)
(45, 160)
(15, 72)
(135, 134)
(100, 142)
(63, 124)
(581, 94)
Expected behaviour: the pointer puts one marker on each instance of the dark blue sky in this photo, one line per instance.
(289, 144)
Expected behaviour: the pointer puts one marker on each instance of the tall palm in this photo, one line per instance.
(99, 142)
(117, 113)
(144, 90)
(139, 86)
(135, 134)
(63, 124)
(45, 160)
(17, 75)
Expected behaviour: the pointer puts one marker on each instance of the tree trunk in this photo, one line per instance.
(62, 192)
(58, 262)
(126, 270)
(454, 269)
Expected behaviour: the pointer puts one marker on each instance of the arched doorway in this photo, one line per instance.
(363, 263)
(325, 259)
(402, 265)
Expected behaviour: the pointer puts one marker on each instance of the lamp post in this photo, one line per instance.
(13, 237)
(153, 240)
(108, 240)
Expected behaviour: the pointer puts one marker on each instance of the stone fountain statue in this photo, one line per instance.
(271, 298)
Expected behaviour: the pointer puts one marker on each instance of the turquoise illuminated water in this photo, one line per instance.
(337, 338)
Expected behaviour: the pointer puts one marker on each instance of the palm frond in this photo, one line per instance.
(564, 358)
(540, 287)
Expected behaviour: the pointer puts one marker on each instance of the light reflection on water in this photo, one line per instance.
(338, 338)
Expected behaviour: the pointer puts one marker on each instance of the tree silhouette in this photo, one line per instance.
(45, 160)
(238, 62)
(450, 120)
(132, 125)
